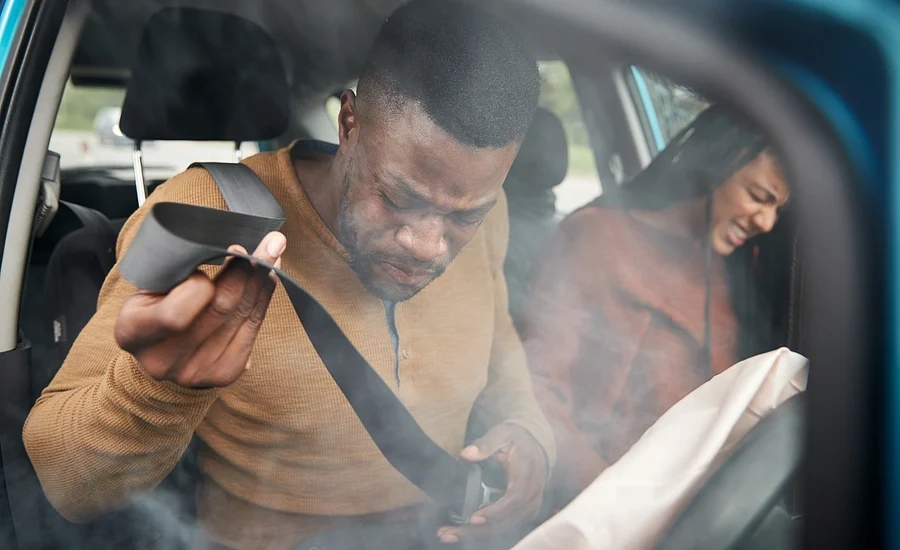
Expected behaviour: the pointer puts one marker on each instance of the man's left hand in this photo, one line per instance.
(526, 467)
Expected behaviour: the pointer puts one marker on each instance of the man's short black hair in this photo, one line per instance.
(469, 71)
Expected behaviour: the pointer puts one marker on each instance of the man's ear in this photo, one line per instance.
(348, 121)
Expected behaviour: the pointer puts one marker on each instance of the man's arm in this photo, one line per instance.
(518, 435)
(104, 430)
(509, 395)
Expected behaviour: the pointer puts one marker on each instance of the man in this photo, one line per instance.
(400, 232)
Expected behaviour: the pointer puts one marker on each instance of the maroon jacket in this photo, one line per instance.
(614, 335)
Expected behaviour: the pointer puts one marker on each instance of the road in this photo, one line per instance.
(78, 149)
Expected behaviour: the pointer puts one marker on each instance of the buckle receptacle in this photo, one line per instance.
(477, 496)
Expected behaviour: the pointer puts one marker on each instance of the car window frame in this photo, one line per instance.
(783, 100)
(640, 96)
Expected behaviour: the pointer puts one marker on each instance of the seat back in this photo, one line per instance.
(203, 75)
(541, 165)
(74, 275)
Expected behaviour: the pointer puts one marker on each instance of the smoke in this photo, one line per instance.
(320, 57)
(157, 521)
(166, 520)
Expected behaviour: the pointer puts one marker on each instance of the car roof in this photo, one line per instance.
(323, 43)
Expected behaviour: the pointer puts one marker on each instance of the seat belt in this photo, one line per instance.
(175, 239)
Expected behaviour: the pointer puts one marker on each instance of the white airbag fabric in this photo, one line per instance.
(631, 503)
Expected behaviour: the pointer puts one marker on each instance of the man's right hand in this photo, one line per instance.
(200, 334)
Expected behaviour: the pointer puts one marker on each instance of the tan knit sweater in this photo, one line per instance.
(282, 445)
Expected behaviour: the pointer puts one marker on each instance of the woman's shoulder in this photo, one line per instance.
(599, 225)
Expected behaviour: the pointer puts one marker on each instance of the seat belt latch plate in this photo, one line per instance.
(477, 495)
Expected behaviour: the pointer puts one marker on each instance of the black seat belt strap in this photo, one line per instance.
(176, 238)
(242, 190)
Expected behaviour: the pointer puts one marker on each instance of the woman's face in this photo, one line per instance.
(747, 204)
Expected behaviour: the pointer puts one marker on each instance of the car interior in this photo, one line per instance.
(218, 76)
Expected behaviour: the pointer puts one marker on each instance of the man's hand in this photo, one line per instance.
(526, 468)
(200, 334)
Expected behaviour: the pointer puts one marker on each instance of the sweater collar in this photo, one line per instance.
(300, 149)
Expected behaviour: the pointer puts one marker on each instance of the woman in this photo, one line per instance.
(632, 308)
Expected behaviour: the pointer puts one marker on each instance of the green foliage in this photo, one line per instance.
(558, 95)
(582, 161)
(80, 105)
(675, 105)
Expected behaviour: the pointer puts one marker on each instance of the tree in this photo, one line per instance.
(80, 104)
(676, 106)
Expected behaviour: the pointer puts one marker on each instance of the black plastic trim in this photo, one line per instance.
(20, 484)
(757, 471)
(21, 84)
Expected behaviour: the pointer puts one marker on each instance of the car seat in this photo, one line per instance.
(72, 250)
(541, 165)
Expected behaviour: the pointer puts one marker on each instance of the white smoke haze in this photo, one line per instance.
(325, 47)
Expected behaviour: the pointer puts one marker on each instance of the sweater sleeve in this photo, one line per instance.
(578, 341)
(509, 394)
(104, 431)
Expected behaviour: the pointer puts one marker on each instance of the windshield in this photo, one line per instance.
(516, 282)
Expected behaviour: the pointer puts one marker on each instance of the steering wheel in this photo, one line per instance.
(742, 494)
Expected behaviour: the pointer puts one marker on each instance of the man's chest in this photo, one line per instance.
(433, 352)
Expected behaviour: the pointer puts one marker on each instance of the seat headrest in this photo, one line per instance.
(202, 75)
(543, 159)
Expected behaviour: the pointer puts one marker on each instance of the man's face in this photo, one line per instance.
(412, 197)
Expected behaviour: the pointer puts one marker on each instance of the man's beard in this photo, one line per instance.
(363, 264)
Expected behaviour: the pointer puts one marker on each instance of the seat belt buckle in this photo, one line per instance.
(477, 495)
(48, 200)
